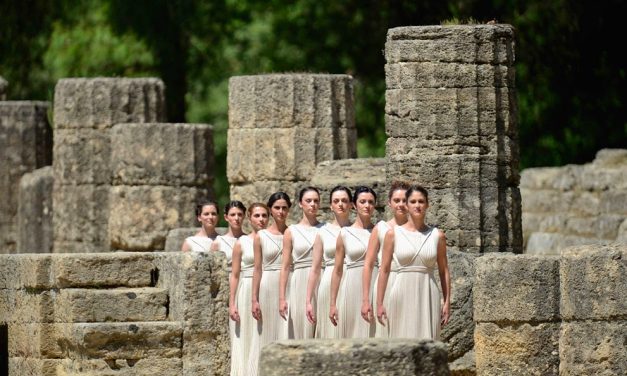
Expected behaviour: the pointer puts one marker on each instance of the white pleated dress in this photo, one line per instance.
(199, 243)
(271, 327)
(414, 302)
(324, 328)
(382, 331)
(242, 338)
(225, 245)
(303, 238)
(350, 322)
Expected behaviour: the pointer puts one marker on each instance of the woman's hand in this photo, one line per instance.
(446, 314)
(366, 311)
(311, 315)
(283, 309)
(382, 315)
(256, 311)
(333, 315)
(234, 314)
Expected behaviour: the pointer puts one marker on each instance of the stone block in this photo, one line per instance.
(450, 112)
(3, 89)
(103, 102)
(544, 178)
(33, 366)
(30, 271)
(611, 158)
(106, 305)
(613, 202)
(592, 282)
(31, 306)
(429, 74)
(593, 348)
(206, 352)
(121, 367)
(516, 288)
(464, 366)
(488, 44)
(141, 216)
(34, 213)
(547, 201)
(80, 218)
(82, 156)
(544, 243)
(602, 227)
(523, 349)
(261, 190)
(354, 357)
(176, 237)
(291, 101)
(591, 178)
(35, 340)
(162, 154)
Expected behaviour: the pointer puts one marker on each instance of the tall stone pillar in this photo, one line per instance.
(25, 145)
(281, 126)
(451, 125)
(34, 212)
(84, 112)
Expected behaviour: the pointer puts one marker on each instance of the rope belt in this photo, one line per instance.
(414, 269)
(355, 264)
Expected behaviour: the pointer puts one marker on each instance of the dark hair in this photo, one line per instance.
(234, 204)
(363, 189)
(202, 204)
(338, 188)
(397, 185)
(305, 190)
(417, 188)
(276, 196)
(257, 205)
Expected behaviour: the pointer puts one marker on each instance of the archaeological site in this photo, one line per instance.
(97, 193)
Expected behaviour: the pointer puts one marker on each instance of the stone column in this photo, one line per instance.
(160, 171)
(451, 124)
(34, 213)
(281, 126)
(25, 145)
(84, 112)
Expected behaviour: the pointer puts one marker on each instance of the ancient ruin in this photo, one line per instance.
(87, 288)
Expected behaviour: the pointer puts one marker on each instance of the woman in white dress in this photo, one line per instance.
(298, 242)
(207, 215)
(234, 213)
(241, 290)
(318, 304)
(398, 208)
(350, 253)
(414, 308)
(267, 246)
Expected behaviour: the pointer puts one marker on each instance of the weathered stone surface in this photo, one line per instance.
(103, 102)
(25, 271)
(141, 216)
(516, 288)
(493, 44)
(106, 305)
(517, 350)
(35, 340)
(546, 243)
(34, 212)
(464, 366)
(162, 154)
(611, 158)
(176, 237)
(3, 89)
(82, 156)
(354, 356)
(593, 348)
(593, 280)
(33, 366)
(261, 190)
(96, 367)
(80, 218)
(28, 306)
(291, 101)
(431, 74)
(25, 145)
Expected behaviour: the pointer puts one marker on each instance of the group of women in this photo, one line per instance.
(328, 280)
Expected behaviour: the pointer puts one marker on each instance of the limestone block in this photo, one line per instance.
(547, 201)
(176, 237)
(593, 348)
(611, 158)
(80, 218)
(291, 101)
(353, 357)
(141, 216)
(35, 340)
(162, 154)
(492, 44)
(33, 366)
(602, 227)
(613, 202)
(429, 74)
(592, 178)
(34, 213)
(102, 270)
(82, 156)
(261, 190)
(31, 306)
(103, 102)
(544, 243)
(106, 305)
(592, 282)
(544, 178)
(516, 288)
(31, 271)
(517, 350)
(622, 232)
(3, 89)
(446, 112)
(206, 352)
(464, 366)
(122, 367)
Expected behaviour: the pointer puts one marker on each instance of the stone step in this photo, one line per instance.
(96, 367)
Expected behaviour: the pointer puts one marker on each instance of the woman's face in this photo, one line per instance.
(208, 217)
(279, 210)
(234, 218)
(365, 203)
(417, 205)
(398, 202)
(310, 203)
(340, 203)
(258, 218)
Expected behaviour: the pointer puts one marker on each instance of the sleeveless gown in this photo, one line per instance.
(271, 327)
(414, 303)
(351, 324)
(242, 339)
(302, 249)
(199, 243)
(383, 331)
(225, 245)
(324, 328)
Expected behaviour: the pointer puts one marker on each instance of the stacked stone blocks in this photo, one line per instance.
(451, 126)
(34, 213)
